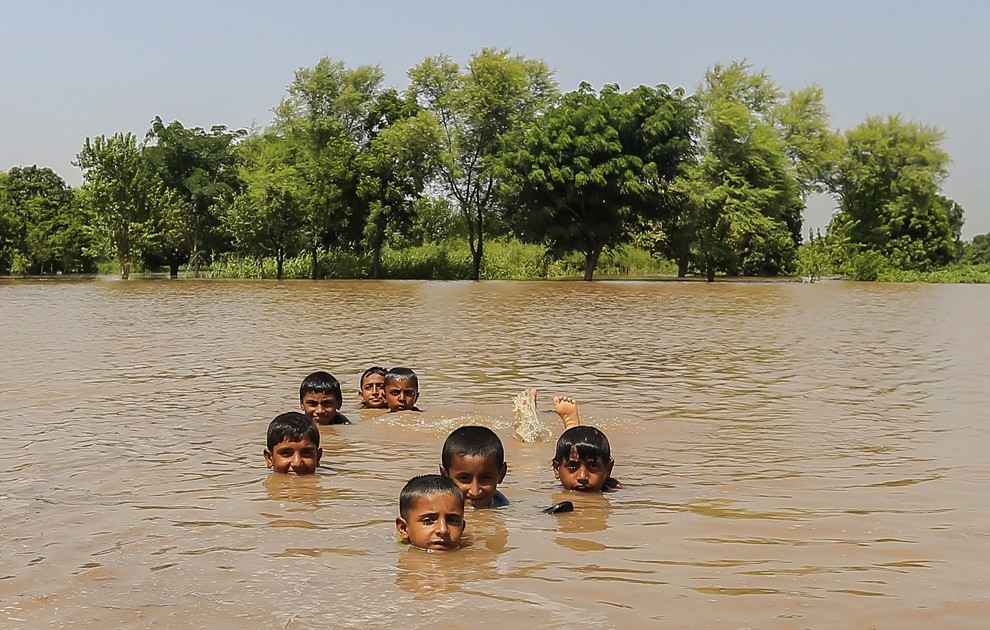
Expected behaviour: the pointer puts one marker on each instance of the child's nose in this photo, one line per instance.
(442, 526)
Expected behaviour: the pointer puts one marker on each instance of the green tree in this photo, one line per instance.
(978, 251)
(45, 228)
(329, 115)
(394, 169)
(888, 183)
(200, 169)
(812, 146)
(587, 173)
(267, 218)
(116, 190)
(476, 107)
(743, 198)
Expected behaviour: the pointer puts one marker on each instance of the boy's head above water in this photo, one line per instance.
(474, 459)
(320, 397)
(583, 461)
(293, 445)
(373, 388)
(431, 513)
(401, 389)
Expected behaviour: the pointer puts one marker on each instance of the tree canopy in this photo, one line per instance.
(585, 174)
(888, 182)
(350, 172)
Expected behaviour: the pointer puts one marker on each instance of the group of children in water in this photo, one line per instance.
(431, 507)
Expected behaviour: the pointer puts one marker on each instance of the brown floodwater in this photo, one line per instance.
(793, 455)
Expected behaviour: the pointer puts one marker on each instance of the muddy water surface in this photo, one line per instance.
(794, 455)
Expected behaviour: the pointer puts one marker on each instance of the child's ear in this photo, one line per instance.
(556, 470)
(339, 403)
(268, 459)
(402, 527)
(444, 472)
(319, 456)
(502, 471)
(608, 469)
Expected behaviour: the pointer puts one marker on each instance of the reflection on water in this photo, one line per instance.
(793, 455)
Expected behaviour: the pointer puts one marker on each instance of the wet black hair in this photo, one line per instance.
(472, 441)
(320, 383)
(425, 485)
(591, 445)
(293, 426)
(375, 369)
(401, 374)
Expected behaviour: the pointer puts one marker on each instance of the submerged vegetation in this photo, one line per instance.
(486, 170)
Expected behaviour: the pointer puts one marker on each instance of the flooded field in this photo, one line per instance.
(793, 455)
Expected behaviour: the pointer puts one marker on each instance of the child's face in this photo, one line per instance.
(294, 458)
(582, 475)
(322, 408)
(401, 395)
(373, 391)
(477, 476)
(435, 522)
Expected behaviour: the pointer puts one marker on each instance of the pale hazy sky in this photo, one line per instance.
(77, 69)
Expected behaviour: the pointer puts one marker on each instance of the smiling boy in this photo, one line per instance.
(431, 513)
(293, 445)
(473, 458)
(320, 399)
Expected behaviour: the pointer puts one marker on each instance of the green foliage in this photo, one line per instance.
(867, 265)
(485, 171)
(330, 115)
(268, 218)
(507, 259)
(476, 107)
(116, 190)
(593, 167)
(43, 228)
(394, 169)
(977, 252)
(197, 170)
(744, 199)
(953, 274)
(813, 148)
(330, 265)
(888, 181)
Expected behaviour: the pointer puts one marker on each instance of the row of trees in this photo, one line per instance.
(716, 181)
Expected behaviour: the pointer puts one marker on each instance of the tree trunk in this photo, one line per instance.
(709, 268)
(682, 265)
(261, 267)
(279, 259)
(591, 262)
(476, 263)
(173, 270)
(376, 261)
(316, 262)
(476, 254)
